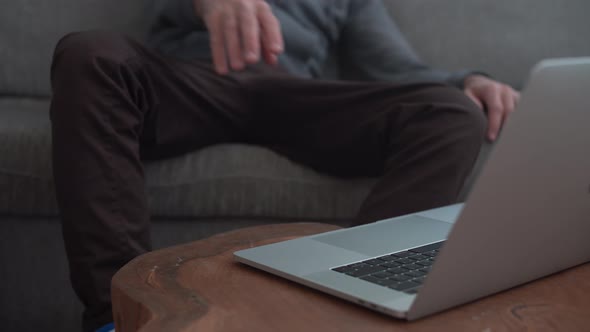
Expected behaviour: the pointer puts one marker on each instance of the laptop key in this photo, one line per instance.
(419, 257)
(370, 279)
(425, 263)
(380, 282)
(382, 275)
(400, 277)
(430, 247)
(374, 262)
(391, 264)
(405, 261)
(412, 266)
(415, 274)
(402, 286)
(425, 269)
(358, 266)
(343, 269)
(365, 271)
(419, 280)
(396, 270)
(387, 282)
(402, 254)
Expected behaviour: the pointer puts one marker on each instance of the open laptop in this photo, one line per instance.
(527, 216)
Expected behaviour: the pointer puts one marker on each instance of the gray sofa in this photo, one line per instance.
(221, 187)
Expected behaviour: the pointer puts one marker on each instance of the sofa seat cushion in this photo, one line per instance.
(25, 174)
(231, 180)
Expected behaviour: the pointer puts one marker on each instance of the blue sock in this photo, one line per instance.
(110, 327)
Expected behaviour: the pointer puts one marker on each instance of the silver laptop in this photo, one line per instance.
(527, 216)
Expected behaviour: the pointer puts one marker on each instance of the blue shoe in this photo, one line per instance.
(110, 327)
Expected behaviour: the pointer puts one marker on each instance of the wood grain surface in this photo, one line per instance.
(199, 287)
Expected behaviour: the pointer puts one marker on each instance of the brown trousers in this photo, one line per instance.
(116, 104)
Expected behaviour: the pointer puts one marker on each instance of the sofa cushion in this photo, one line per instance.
(25, 173)
(249, 181)
(220, 181)
(30, 29)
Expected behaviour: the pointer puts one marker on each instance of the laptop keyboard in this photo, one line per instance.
(403, 271)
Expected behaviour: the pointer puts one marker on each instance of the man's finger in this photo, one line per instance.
(508, 101)
(250, 34)
(474, 98)
(516, 97)
(232, 40)
(215, 25)
(495, 108)
(271, 58)
(272, 39)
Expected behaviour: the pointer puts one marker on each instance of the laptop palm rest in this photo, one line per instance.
(388, 236)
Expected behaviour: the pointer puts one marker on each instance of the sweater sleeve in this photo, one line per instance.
(177, 30)
(373, 48)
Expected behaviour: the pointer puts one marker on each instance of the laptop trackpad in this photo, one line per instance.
(389, 236)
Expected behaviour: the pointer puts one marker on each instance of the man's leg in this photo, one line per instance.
(421, 139)
(114, 104)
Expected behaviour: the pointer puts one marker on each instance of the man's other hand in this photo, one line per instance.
(499, 100)
(241, 32)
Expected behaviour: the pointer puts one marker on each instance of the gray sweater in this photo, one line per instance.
(368, 43)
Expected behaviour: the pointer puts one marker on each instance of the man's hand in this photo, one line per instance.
(240, 31)
(498, 99)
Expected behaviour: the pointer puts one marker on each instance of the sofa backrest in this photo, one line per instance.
(29, 30)
(502, 37)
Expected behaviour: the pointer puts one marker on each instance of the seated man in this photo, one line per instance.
(249, 71)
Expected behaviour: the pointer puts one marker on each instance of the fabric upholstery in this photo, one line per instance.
(249, 181)
(25, 164)
(30, 29)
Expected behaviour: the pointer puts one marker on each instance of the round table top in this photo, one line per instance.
(199, 287)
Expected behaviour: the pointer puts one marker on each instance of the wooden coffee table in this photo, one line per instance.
(199, 287)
